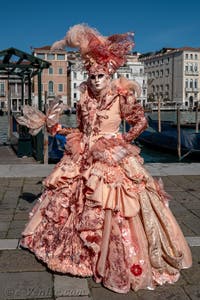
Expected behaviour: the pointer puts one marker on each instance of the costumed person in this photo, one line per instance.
(102, 214)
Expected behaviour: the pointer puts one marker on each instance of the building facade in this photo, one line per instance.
(133, 70)
(54, 79)
(173, 77)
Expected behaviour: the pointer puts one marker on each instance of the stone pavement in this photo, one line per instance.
(22, 276)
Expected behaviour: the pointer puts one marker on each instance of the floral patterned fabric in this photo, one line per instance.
(102, 214)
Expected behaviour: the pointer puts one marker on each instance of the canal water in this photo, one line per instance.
(149, 154)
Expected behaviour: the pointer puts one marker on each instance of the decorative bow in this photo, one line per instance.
(35, 119)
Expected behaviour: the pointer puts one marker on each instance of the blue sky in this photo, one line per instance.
(157, 24)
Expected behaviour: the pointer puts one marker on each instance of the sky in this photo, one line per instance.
(156, 24)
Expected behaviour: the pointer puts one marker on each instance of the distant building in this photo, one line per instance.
(54, 79)
(173, 76)
(76, 75)
(133, 70)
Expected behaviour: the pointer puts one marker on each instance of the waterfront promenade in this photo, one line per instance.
(24, 277)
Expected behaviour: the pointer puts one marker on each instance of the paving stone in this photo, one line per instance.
(196, 212)
(93, 284)
(4, 225)
(103, 293)
(4, 181)
(21, 216)
(37, 180)
(70, 286)
(26, 285)
(178, 209)
(15, 233)
(192, 275)
(195, 193)
(8, 244)
(8, 205)
(196, 255)
(3, 234)
(182, 181)
(16, 183)
(186, 199)
(186, 230)
(193, 291)
(193, 223)
(19, 261)
(193, 241)
(174, 188)
(167, 292)
(5, 217)
(75, 298)
(24, 205)
(12, 194)
(17, 224)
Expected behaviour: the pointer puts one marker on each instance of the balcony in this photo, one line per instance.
(192, 73)
(50, 94)
(193, 90)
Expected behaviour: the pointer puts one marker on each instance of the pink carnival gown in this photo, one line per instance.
(102, 214)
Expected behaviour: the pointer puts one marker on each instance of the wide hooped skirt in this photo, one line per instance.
(111, 222)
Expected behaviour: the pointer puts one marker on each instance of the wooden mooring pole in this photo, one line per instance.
(197, 117)
(159, 116)
(178, 133)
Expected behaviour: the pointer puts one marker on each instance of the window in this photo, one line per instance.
(167, 72)
(60, 56)
(60, 87)
(50, 56)
(191, 56)
(2, 89)
(60, 71)
(195, 84)
(75, 75)
(75, 95)
(186, 56)
(191, 83)
(161, 73)
(186, 68)
(50, 71)
(74, 85)
(186, 83)
(50, 87)
(196, 56)
(41, 55)
(127, 75)
(195, 67)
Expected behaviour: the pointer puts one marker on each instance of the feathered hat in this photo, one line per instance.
(97, 52)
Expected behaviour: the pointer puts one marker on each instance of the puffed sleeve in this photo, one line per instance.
(133, 113)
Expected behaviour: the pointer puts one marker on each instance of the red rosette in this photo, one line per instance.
(136, 269)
